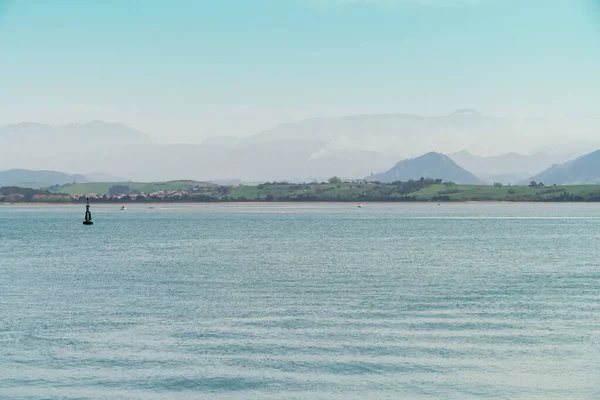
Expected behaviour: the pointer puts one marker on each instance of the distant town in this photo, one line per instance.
(333, 190)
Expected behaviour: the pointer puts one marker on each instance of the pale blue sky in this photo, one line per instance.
(182, 70)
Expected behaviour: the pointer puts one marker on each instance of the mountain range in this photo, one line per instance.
(581, 170)
(510, 167)
(350, 147)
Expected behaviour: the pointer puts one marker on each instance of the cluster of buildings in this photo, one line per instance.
(154, 196)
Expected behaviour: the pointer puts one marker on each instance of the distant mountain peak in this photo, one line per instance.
(430, 165)
(464, 153)
(467, 112)
(433, 155)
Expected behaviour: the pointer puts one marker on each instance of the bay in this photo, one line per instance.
(301, 301)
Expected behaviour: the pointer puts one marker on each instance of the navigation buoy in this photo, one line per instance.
(88, 215)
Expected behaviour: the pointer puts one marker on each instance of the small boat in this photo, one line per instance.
(360, 206)
(152, 208)
(123, 208)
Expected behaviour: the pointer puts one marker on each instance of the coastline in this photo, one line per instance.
(418, 192)
(282, 203)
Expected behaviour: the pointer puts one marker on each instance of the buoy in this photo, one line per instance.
(88, 215)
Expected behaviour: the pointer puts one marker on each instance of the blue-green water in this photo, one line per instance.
(300, 302)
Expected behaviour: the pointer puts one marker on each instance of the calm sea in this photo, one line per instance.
(300, 302)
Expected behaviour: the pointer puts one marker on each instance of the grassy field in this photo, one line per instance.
(309, 192)
(506, 193)
(351, 192)
(102, 188)
(437, 192)
(32, 185)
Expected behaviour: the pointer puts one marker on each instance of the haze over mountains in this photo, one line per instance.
(350, 147)
(510, 167)
(42, 179)
(28, 178)
(582, 170)
(28, 137)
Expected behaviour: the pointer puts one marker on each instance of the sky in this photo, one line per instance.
(183, 70)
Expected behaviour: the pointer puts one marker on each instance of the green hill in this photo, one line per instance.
(15, 194)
